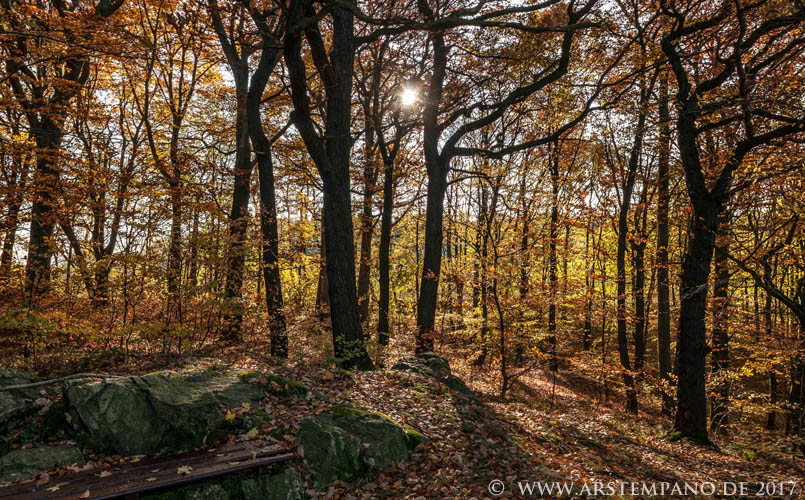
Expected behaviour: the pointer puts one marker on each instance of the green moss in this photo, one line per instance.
(341, 410)
(675, 436)
(413, 437)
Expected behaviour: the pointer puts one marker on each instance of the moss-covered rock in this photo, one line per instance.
(274, 384)
(426, 363)
(21, 464)
(331, 452)
(346, 442)
(15, 404)
(434, 366)
(284, 484)
(157, 413)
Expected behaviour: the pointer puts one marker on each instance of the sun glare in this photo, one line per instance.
(408, 96)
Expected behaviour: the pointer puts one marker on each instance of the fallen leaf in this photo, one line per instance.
(184, 470)
(106, 473)
(85, 494)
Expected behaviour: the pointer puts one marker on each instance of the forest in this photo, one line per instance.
(592, 208)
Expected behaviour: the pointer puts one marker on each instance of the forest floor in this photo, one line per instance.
(550, 428)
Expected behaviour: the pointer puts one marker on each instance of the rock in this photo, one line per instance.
(279, 386)
(386, 443)
(281, 485)
(284, 485)
(18, 403)
(331, 443)
(21, 464)
(331, 452)
(426, 363)
(434, 366)
(157, 413)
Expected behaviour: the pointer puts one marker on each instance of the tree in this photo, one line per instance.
(439, 151)
(45, 88)
(731, 95)
(330, 152)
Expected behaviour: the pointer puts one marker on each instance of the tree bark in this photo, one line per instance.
(663, 284)
(331, 155)
(269, 57)
(384, 264)
(719, 403)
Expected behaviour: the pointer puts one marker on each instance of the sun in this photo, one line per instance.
(408, 96)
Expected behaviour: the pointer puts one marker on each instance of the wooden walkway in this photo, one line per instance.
(148, 475)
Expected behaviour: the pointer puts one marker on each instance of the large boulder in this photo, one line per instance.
(331, 452)
(284, 484)
(21, 464)
(346, 442)
(17, 403)
(158, 413)
(435, 366)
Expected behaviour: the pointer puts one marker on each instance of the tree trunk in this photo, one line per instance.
(175, 254)
(45, 181)
(384, 266)
(719, 409)
(12, 219)
(365, 259)
(331, 154)
(587, 335)
(663, 285)
(691, 348)
(269, 57)
(238, 221)
(431, 262)
(552, 260)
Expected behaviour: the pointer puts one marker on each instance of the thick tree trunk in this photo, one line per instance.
(238, 222)
(431, 261)
(270, 256)
(691, 348)
(719, 409)
(43, 219)
(331, 153)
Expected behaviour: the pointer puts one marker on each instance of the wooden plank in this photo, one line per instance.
(149, 475)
